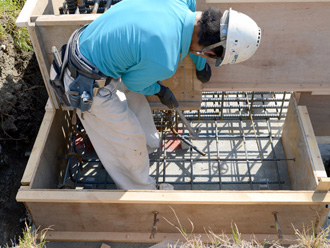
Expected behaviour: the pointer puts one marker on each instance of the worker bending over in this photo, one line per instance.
(122, 55)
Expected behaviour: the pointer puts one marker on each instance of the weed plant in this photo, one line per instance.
(307, 238)
(9, 11)
(31, 238)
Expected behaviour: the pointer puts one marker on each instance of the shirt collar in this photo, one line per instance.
(187, 32)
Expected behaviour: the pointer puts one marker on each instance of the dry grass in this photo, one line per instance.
(307, 238)
(31, 238)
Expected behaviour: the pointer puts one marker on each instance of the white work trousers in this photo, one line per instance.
(120, 127)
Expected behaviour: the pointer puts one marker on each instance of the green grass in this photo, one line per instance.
(9, 11)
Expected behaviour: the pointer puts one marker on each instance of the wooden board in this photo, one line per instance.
(44, 64)
(38, 147)
(323, 140)
(125, 212)
(288, 58)
(299, 142)
(145, 237)
(44, 166)
(323, 184)
(135, 214)
(318, 107)
(188, 197)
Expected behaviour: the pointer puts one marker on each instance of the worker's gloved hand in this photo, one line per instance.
(204, 75)
(167, 97)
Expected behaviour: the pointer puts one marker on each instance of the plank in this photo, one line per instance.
(38, 147)
(318, 107)
(297, 145)
(324, 184)
(287, 58)
(49, 106)
(139, 217)
(32, 7)
(145, 237)
(24, 16)
(313, 150)
(44, 65)
(64, 20)
(323, 140)
(326, 93)
(55, 143)
(174, 197)
(269, 69)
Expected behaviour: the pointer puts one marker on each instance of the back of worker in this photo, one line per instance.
(141, 41)
(136, 42)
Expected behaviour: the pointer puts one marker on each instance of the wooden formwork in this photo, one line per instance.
(289, 58)
(293, 56)
(116, 215)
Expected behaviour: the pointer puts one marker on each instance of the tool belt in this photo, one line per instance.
(87, 78)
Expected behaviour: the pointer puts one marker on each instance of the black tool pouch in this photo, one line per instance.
(56, 78)
(81, 92)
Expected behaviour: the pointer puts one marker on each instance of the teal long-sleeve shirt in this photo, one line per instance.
(141, 41)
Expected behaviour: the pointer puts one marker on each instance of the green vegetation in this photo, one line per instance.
(9, 11)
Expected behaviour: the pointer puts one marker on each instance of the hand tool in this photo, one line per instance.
(57, 58)
(188, 142)
(193, 132)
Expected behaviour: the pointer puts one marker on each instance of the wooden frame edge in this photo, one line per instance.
(38, 147)
(310, 139)
(158, 237)
(174, 197)
(23, 18)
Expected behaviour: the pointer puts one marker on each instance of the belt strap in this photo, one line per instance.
(77, 63)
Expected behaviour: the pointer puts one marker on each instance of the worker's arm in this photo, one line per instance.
(203, 69)
(167, 97)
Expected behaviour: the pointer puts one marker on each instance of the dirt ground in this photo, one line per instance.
(22, 100)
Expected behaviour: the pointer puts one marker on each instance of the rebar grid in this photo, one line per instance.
(243, 153)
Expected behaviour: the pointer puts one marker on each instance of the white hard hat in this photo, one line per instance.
(239, 36)
(242, 37)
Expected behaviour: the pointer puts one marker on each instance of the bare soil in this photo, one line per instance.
(22, 100)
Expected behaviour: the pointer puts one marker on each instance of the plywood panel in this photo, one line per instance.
(38, 147)
(159, 237)
(318, 107)
(289, 57)
(97, 217)
(42, 61)
(299, 142)
(54, 143)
